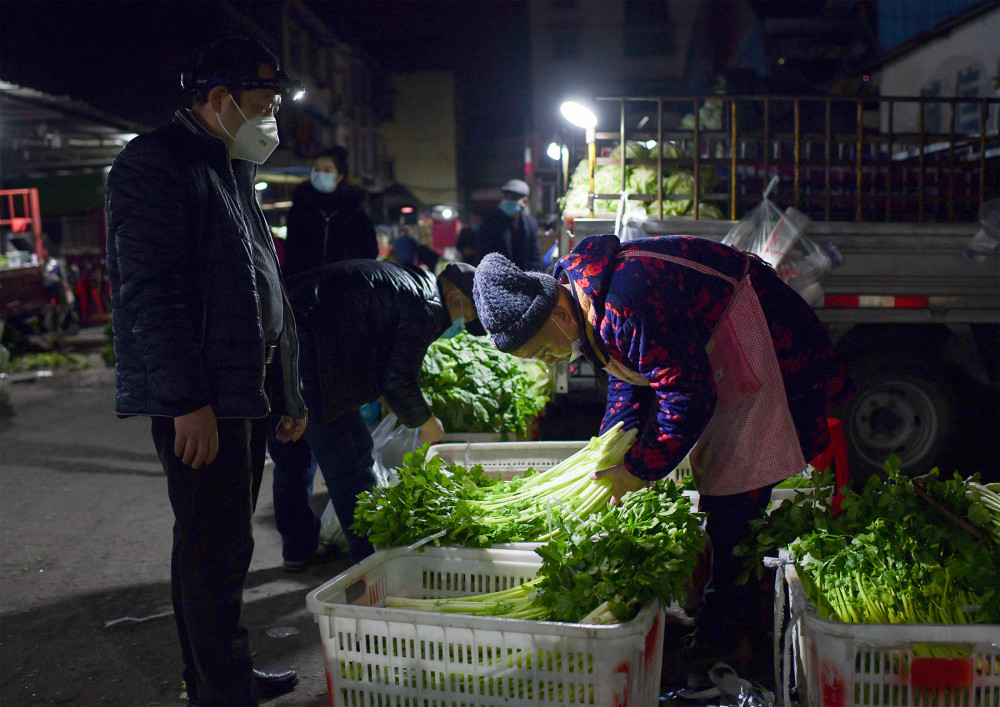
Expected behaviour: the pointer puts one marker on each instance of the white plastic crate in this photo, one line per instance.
(384, 656)
(509, 459)
(836, 664)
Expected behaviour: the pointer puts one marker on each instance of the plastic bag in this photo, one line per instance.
(331, 532)
(778, 237)
(987, 239)
(630, 219)
(390, 442)
(767, 231)
(752, 233)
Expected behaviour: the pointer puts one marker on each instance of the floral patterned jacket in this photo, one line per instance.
(655, 317)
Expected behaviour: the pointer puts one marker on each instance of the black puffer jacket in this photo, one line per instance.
(186, 320)
(372, 322)
(327, 228)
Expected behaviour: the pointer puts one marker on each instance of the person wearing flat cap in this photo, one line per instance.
(511, 230)
(365, 326)
(708, 354)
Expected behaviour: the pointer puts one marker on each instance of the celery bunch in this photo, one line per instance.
(477, 511)
(602, 569)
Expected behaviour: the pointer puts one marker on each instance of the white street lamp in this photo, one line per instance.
(583, 117)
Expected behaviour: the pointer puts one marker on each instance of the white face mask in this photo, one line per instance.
(256, 138)
(575, 344)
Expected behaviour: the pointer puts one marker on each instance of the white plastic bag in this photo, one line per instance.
(331, 532)
(767, 231)
(752, 233)
(987, 239)
(390, 441)
(630, 219)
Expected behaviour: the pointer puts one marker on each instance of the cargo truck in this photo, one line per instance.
(913, 311)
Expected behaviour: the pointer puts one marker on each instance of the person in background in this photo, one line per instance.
(467, 243)
(327, 222)
(511, 230)
(707, 352)
(366, 325)
(206, 346)
(407, 250)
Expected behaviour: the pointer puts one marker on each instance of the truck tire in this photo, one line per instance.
(902, 407)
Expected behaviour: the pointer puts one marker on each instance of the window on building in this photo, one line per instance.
(565, 42)
(647, 29)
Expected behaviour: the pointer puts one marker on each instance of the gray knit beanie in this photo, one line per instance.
(512, 305)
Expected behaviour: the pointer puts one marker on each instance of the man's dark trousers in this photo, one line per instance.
(213, 543)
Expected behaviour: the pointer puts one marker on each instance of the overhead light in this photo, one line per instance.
(650, 144)
(553, 150)
(406, 210)
(645, 119)
(578, 114)
(260, 186)
(299, 94)
(446, 213)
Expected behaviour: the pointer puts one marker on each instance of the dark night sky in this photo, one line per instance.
(125, 57)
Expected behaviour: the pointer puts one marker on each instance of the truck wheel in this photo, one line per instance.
(901, 407)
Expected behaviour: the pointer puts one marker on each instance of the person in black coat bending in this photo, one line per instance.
(327, 222)
(365, 326)
(511, 230)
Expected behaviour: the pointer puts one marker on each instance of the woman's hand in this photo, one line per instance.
(431, 431)
(621, 481)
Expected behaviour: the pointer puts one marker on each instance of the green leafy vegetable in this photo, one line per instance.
(473, 387)
(601, 569)
(476, 511)
(896, 554)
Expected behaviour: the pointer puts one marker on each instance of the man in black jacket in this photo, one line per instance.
(365, 327)
(205, 344)
(511, 230)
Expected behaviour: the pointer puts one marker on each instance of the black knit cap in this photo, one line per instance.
(513, 305)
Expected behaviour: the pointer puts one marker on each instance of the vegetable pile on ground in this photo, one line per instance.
(903, 551)
(473, 387)
(477, 511)
(601, 569)
(48, 360)
(641, 179)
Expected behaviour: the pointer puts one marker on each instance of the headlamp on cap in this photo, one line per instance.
(281, 85)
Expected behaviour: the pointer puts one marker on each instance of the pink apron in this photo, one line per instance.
(750, 440)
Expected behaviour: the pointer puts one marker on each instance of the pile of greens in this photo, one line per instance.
(900, 552)
(473, 387)
(601, 569)
(641, 179)
(477, 511)
(48, 360)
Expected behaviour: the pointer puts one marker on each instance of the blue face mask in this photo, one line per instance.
(455, 329)
(510, 207)
(325, 182)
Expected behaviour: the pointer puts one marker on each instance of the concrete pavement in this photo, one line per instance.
(85, 528)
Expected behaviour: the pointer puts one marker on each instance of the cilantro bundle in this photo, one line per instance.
(601, 569)
(477, 511)
(473, 387)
